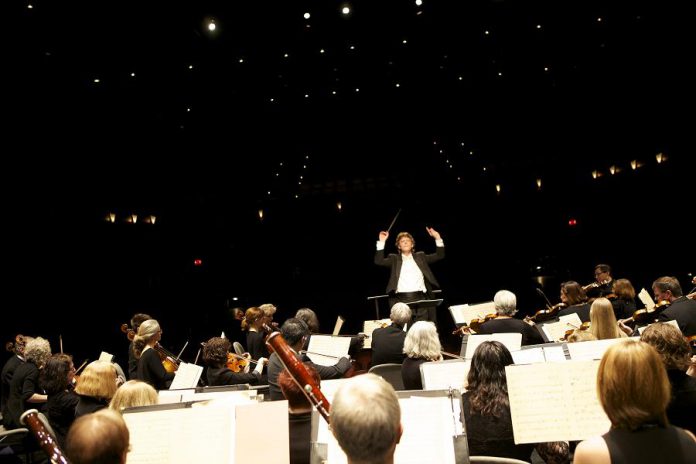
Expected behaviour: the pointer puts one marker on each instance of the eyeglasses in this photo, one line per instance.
(598, 273)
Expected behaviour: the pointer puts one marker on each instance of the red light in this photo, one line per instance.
(572, 222)
(197, 262)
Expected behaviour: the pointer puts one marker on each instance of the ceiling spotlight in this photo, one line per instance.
(345, 10)
(307, 16)
(211, 26)
(419, 2)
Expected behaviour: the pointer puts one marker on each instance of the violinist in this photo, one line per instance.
(603, 284)
(295, 333)
(216, 353)
(150, 368)
(422, 345)
(97, 385)
(17, 348)
(388, 342)
(681, 308)
(24, 389)
(575, 299)
(135, 321)
(603, 324)
(624, 302)
(505, 303)
(253, 322)
(56, 380)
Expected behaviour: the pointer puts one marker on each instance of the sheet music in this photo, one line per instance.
(186, 376)
(234, 397)
(647, 300)
(532, 355)
(369, 327)
(271, 417)
(441, 375)
(329, 387)
(463, 314)
(181, 436)
(427, 437)
(171, 396)
(585, 351)
(672, 322)
(555, 402)
(338, 325)
(554, 353)
(332, 347)
(104, 356)
(512, 341)
(555, 331)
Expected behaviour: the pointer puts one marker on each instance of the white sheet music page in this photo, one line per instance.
(271, 417)
(554, 354)
(441, 375)
(181, 436)
(369, 327)
(647, 300)
(512, 341)
(555, 331)
(186, 376)
(555, 402)
(332, 347)
(529, 356)
(672, 322)
(594, 349)
(104, 356)
(339, 324)
(463, 314)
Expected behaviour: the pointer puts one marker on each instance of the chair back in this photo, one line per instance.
(391, 372)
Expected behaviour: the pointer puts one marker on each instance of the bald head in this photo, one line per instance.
(98, 438)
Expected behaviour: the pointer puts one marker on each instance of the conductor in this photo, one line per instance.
(411, 279)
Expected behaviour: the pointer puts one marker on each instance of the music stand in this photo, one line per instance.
(424, 304)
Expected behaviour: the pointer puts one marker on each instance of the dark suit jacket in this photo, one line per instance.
(394, 261)
(683, 310)
(388, 345)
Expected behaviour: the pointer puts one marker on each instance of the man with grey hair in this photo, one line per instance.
(388, 342)
(366, 420)
(505, 307)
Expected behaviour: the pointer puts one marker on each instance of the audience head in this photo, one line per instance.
(253, 317)
(98, 380)
(57, 374)
(623, 289)
(148, 331)
(215, 351)
(666, 288)
(603, 323)
(37, 351)
(572, 293)
(101, 437)
(670, 345)
(297, 401)
(486, 382)
(422, 341)
(505, 303)
(632, 385)
(400, 314)
(294, 331)
(309, 317)
(366, 419)
(133, 393)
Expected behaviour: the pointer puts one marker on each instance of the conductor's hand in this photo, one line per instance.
(383, 236)
(433, 233)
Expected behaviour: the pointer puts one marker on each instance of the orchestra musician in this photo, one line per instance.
(388, 342)
(681, 308)
(575, 299)
(603, 324)
(135, 321)
(150, 368)
(624, 301)
(299, 414)
(505, 303)
(24, 389)
(56, 381)
(100, 437)
(216, 353)
(295, 332)
(132, 394)
(8, 369)
(422, 345)
(97, 385)
(253, 322)
(603, 284)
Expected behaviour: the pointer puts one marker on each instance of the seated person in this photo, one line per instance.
(300, 415)
(101, 437)
(603, 324)
(505, 307)
(132, 394)
(634, 391)
(388, 342)
(575, 299)
(422, 345)
(366, 419)
(56, 380)
(96, 387)
(216, 354)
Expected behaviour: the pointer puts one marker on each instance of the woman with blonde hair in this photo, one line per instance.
(133, 393)
(422, 344)
(150, 368)
(634, 392)
(96, 387)
(603, 324)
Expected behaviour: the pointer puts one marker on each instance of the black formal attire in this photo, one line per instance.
(60, 412)
(8, 371)
(623, 309)
(582, 310)
(223, 376)
(24, 384)
(151, 370)
(682, 409)
(492, 436)
(650, 445)
(601, 290)
(300, 429)
(325, 372)
(410, 373)
(682, 310)
(393, 262)
(132, 363)
(256, 346)
(530, 334)
(89, 404)
(388, 345)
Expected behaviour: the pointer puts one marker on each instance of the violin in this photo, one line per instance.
(546, 314)
(475, 324)
(595, 285)
(646, 316)
(237, 363)
(169, 360)
(568, 333)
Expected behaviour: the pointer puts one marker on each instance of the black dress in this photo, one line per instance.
(60, 412)
(256, 346)
(151, 370)
(650, 445)
(682, 409)
(223, 376)
(410, 373)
